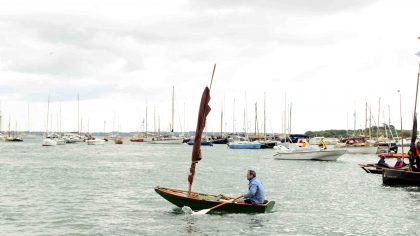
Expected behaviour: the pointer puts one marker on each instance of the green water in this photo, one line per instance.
(78, 189)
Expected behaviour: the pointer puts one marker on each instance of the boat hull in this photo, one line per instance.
(203, 143)
(317, 155)
(168, 141)
(245, 146)
(96, 142)
(400, 177)
(220, 141)
(49, 142)
(180, 199)
(136, 140)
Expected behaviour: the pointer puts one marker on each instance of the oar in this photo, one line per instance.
(204, 211)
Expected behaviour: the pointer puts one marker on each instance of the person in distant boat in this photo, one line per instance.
(417, 160)
(256, 193)
(399, 163)
(323, 144)
(302, 143)
(382, 162)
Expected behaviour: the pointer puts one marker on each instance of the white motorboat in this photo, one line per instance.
(309, 154)
(95, 142)
(49, 142)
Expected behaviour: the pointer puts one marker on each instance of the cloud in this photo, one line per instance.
(289, 6)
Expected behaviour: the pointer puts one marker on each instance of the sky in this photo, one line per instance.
(326, 59)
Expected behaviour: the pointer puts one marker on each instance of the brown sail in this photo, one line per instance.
(201, 123)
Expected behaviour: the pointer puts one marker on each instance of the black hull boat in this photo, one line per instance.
(400, 177)
(267, 145)
(220, 141)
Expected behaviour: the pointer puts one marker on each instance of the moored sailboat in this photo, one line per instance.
(47, 140)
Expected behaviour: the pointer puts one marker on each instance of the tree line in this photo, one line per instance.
(384, 131)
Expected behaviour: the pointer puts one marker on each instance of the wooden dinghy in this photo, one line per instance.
(200, 201)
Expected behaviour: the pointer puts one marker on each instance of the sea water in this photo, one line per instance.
(81, 189)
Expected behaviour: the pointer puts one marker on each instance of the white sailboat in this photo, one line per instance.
(171, 138)
(48, 141)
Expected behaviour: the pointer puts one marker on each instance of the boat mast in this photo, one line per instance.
(48, 114)
(221, 122)
(104, 128)
(154, 120)
(285, 118)
(78, 115)
(113, 125)
(146, 121)
(366, 109)
(401, 132)
(61, 121)
(29, 123)
(370, 123)
(290, 119)
(256, 120)
(414, 131)
(265, 121)
(233, 116)
(173, 95)
(379, 114)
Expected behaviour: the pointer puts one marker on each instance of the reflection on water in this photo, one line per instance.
(256, 222)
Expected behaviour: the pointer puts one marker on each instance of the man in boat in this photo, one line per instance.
(323, 144)
(255, 194)
(382, 162)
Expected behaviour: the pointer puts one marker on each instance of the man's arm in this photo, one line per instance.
(251, 192)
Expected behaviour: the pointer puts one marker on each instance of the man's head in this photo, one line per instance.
(251, 174)
(418, 144)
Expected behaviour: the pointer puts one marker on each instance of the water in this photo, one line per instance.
(108, 190)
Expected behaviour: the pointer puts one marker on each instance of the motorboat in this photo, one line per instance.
(309, 154)
(49, 142)
(244, 145)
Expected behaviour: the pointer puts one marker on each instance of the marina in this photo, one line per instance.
(205, 117)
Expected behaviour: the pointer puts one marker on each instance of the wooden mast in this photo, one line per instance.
(173, 108)
(379, 114)
(401, 132)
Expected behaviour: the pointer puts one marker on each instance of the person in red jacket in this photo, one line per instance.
(399, 163)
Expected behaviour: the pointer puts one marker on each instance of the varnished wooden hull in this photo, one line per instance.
(180, 198)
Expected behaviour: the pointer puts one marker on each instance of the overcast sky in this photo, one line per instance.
(328, 58)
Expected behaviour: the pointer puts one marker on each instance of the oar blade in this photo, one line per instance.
(202, 212)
